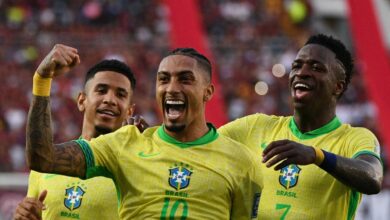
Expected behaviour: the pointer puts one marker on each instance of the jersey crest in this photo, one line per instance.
(288, 177)
(73, 197)
(179, 176)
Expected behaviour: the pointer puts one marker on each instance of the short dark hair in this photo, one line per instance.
(191, 52)
(112, 65)
(337, 47)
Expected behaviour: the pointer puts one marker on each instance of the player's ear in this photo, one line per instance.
(209, 92)
(81, 99)
(130, 110)
(340, 87)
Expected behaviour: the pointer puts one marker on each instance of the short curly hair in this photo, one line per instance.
(337, 47)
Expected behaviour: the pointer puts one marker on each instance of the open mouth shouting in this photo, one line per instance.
(301, 89)
(174, 108)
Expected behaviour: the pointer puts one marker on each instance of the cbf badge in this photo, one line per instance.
(179, 176)
(73, 197)
(289, 176)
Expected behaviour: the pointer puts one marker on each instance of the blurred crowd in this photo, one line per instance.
(253, 43)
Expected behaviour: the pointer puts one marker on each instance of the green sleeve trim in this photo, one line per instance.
(353, 204)
(88, 154)
(99, 171)
(367, 152)
(118, 194)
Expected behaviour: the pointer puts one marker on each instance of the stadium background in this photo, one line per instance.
(251, 43)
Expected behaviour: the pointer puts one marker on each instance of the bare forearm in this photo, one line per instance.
(363, 174)
(42, 154)
(39, 138)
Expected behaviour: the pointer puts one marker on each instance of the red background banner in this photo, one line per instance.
(187, 31)
(375, 66)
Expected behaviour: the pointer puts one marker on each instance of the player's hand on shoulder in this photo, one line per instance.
(31, 208)
(58, 61)
(286, 152)
(138, 121)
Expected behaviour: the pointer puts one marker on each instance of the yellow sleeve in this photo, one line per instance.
(102, 153)
(238, 129)
(99, 157)
(33, 184)
(246, 198)
(363, 141)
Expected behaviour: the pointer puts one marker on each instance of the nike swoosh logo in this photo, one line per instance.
(263, 145)
(142, 154)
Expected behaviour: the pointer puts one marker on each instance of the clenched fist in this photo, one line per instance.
(60, 60)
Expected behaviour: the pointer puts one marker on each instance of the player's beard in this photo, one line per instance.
(102, 130)
(175, 128)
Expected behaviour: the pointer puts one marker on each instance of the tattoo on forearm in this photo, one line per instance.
(39, 135)
(42, 154)
(69, 159)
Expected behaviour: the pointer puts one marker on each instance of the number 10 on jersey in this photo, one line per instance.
(171, 209)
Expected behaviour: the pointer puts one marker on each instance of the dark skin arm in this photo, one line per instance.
(364, 173)
(42, 155)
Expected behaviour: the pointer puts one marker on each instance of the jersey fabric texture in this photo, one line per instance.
(161, 178)
(73, 198)
(297, 191)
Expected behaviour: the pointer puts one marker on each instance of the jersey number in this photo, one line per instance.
(283, 206)
(174, 208)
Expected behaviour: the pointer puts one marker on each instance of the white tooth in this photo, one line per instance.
(174, 102)
(108, 112)
(301, 85)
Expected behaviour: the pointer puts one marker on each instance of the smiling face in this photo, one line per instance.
(316, 79)
(106, 102)
(182, 90)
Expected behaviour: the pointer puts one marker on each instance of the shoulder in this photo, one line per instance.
(258, 118)
(34, 178)
(258, 121)
(35, 174)
(234, 147)
(361, 139)
(358, 132)
(150, 131)
(124, 134)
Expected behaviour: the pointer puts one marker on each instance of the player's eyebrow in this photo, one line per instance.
(122, 90)
(179, 72)
(163, 73)
(309, 61)
(104, 85)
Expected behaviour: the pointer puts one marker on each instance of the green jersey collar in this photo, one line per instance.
(332, 125)
(210, 136)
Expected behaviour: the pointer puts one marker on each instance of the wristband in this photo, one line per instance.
(330, 161)
(319, 156)
(41, 86)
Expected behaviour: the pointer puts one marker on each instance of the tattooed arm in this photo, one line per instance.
(42, 154)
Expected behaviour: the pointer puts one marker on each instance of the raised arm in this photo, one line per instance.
(42, 155)
(363, 173)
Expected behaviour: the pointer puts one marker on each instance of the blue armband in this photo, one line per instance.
(329, 163)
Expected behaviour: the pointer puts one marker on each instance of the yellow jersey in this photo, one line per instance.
(159, 177)
(303, 192)
(73, 198)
